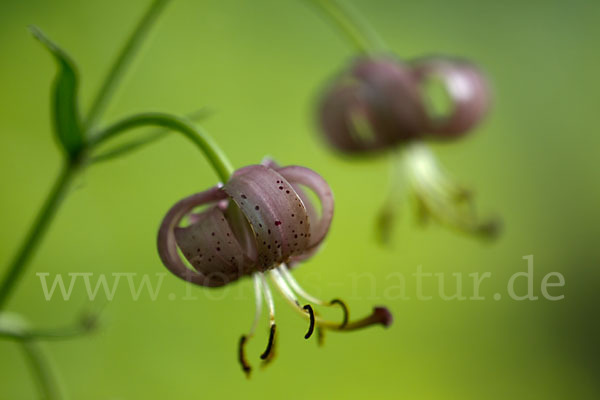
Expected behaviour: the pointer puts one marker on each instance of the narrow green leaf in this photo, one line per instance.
(65, 112)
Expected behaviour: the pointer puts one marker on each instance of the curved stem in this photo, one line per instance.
(36, 232)
(42, 370)
(136, 144)
(364, 38)
(122, 62)
(213, 153)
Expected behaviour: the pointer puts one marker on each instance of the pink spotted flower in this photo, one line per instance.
(259, 224)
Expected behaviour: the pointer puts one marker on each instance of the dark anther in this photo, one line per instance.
(311, 327)
(242, 357)
(344, 309)
(264, 355)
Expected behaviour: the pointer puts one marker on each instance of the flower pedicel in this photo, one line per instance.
(259, 223)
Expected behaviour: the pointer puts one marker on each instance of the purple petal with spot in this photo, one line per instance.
(275, 212)
(311, 210)
(211, 247)
(303, 176)
(167, 244)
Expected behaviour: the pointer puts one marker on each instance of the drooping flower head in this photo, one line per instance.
(382, 103)
(260, 222)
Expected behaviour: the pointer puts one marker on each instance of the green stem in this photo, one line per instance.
(41, 369)
(46, 214)
(122, 62)
(137, 144)
(36, 232)
(352, 25)
(213, 153)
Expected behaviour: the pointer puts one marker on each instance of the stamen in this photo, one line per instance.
(271, 305)
(242, 357)
(311, 328)
(283, 269)
(441, 198)
(344, 308)
(291, 297)
(277, 278)
(380, 315)
(258, 301)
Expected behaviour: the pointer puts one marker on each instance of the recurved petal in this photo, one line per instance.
(275, 212)
(311, 210)
(347, 120)
(297, 175)
(391, 89)
(167, 244)
(211, 247)
(466, 86)
(373, 106)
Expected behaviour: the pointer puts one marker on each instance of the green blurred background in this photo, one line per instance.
(259, 66)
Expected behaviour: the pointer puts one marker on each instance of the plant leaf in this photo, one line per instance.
(65, 112)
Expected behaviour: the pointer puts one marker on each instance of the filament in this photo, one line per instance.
(285, 272)
(271, 305)
(258, 302)
(380, 315)
(284, 288)
(291, 298)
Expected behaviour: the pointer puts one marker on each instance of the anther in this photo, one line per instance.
(344, 309)
(242, 357)
(311, 327)
(264, 355)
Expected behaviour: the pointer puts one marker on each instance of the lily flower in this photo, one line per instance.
(259, 224)
(381, 103)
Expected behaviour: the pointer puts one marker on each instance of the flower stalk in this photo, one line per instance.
(205, 143)
(123, 60)
(351, 24)
(37, 231)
